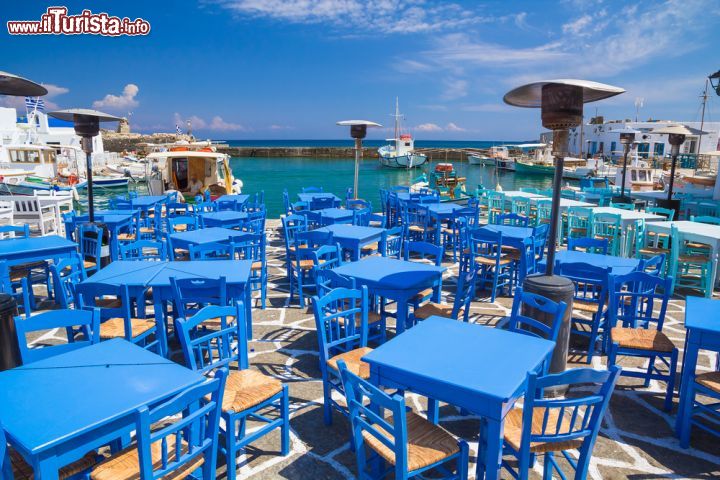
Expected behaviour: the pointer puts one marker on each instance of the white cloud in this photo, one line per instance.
(281, 127)
(220, 125)
(120, 102)
(577, 26)
(452, 127)
(376, 16)
(216, 124)
(454, 88)
(18, 103)
(429, 127)
(485, 107)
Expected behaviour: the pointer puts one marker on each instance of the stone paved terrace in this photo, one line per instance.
(636, 440)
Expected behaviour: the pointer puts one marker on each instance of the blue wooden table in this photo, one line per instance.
(224, 218)
(617, 265)
(353, 237)
(702, 322)
(394, 279)
(512, 236)
(478, 368)
(204, 235)
(239, 199)
(140, 275)
(308, 197)
(15, 251)
(146, 202)
(56, 410)
(331, 216)
(441, 212)
(116, 223)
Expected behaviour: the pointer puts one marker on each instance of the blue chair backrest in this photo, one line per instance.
(192, 294)
(87, 295)
(207, 349)
(540, 236)
(326, 256)
(226, 205)
(581, 414)
(638, 299)
(90, 242)
(178, 209)
(361, 217)
(211, 251)
(174, 224)
(513, 219)
(321, 203)
(249, 247)
(335, 321)
(523, 323)
(143, 250)
(312, 190)
(654, 265)
(591, 245)
(70, 225)
(292, 225)
(255, 222)
(190, 425)
(65, 274)
(392, 241)
(357, 204)
(485, 243)
(88, 322)
(422, 250)
(376, 414)
(313, 239)
(327, 280)
(591, 282)
(464, 294)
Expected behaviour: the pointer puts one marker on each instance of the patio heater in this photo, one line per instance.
(561, 103)
(15, 86)
(87, 126)
(358, 131)
(676, 136)
(715, 81)
(627, 137)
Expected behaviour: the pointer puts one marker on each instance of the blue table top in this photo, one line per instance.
(510, 231)
(48, 402)
(308, 197)
(148, 200)
(157, 274)
(390, 273)
(443, 208)
(227, 215)
(335, 213)
(205, 235)
(239, 198)
(702, 314)
(352, 232)
(618, 265)
(17, 247)
(464, 355)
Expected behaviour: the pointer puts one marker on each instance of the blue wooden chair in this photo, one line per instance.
(255, 222)
(357, 204)
(312, 189)
(90, 238)
(422, 251)
(520, 206)
(248, 393)
(143, 250)
(495, 205)
(540, 237)
(637, 306)
(321, 203)
(487, 257)
(292, 225)
(654, 265)
(455, 234)
(341, 321)
(460, 307)
(211, 251)
(545, 426)
(591, 288)
(123, 316)
(65, 274)
(307, 261)
(410, 444)
(527, 303)
(590, 245)
(175, 253)
(391, 242)
(361, 217)
(186, 445)
(82, 329)
(252, 247)
(181, 223)
(70, 223)
(190, 295)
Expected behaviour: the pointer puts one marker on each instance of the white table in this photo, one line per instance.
(520, 194)
(629, 219)
(694, 232)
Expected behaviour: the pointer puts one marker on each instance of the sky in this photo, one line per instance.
(273, 69)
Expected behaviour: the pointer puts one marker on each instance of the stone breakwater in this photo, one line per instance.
(315, 152)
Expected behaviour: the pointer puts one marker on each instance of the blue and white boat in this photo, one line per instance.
(401, 152)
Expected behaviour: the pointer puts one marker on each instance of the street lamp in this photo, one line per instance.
(561, 103)
(676, 136)
(715, 81)
(87, 126)
(16, 86)
(358, 131)
(627, 137)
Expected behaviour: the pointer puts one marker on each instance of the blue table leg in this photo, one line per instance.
(402, 314)
(160, 322)
(489, 449)
(682, 423)
(45, 468)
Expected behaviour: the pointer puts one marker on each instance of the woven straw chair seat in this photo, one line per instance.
(89, 264)
(23, 471)
(108, 302)
(256, 266)
(585, 306)
(246, 388)
(693, 258)
(448, 230)
(658, 234)
(125, 465)
(115, 327)
(653, 250)
(578, 230)
(18, 275)
(427, 443)
(420, 228)
(709, 380)
(373, 317)
(514, 429)
(698, 246)
(641, 339)
(180, 228)
(491, 261)
(353, 361)
(126, 237)
(370, 247)
(422, 294)
(432, 308)
(147, 230)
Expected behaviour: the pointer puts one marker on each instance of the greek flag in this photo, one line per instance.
(34, 104)
(177, 129)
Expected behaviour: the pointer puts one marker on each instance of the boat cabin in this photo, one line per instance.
(194, 172)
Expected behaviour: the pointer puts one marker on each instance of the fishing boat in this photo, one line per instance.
(541, 163)
(181, 166)
(27, 168)
(480, 159)
(400, 153)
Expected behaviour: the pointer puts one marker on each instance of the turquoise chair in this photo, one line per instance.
(248, 394)
(579, 222)
(496, 205)
(690, 267)
(609, 227)
(537, 429)
(590, 245)
(543, 212)
(520, 206)
(390, 430)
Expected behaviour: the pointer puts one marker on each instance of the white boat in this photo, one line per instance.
(178, 166)
(401, 152)
(480, 159)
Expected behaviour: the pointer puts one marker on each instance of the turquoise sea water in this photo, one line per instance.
(336, 174)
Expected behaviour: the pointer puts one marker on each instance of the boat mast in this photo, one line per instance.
(397, 121)
(704, 97)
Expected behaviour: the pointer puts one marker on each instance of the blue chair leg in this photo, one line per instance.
(671, 380)
(327, 399)
(285, 412)
(463, 461)
(547, 466)
(230, 448)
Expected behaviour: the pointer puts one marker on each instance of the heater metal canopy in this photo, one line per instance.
(11, 84)
(676, 129)
(350, 123)
(530, 95)
(70, 113)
